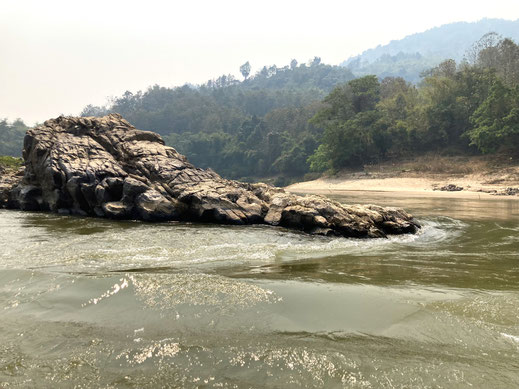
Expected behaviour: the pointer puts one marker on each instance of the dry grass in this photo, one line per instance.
(443, 165)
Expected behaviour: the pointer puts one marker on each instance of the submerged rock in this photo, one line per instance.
(105, 167)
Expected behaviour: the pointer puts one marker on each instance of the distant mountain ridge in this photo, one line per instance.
(409, 56)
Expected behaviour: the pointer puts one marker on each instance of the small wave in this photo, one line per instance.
(144, 246)
(511, 337)
(264, 245)
(507, 228)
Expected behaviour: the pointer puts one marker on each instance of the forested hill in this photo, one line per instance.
(250, 128)
(284, 122)
(466, 108)
(253, 127)
(410, 56)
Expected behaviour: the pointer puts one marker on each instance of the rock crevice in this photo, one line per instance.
(105, 167)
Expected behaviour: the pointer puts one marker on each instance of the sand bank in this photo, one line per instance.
(425, 185)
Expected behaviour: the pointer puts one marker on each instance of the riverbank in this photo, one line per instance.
(458, 177)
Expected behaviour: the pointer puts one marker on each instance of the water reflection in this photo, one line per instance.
(497, 208)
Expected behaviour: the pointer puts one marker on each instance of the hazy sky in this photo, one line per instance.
(58, 56)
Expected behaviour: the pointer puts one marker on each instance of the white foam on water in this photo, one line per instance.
(113, 246)
(511, 337)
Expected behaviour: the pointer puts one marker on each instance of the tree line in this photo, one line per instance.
(286, 121)
(245, 129)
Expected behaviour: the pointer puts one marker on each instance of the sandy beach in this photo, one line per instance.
(403, 180)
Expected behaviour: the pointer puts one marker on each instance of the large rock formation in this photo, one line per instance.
(106, 167)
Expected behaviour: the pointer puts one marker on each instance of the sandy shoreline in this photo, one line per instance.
(473, 187)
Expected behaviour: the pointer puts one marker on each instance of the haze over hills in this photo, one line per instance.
(410, 56)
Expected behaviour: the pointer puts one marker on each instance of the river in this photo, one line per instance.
(92, 303)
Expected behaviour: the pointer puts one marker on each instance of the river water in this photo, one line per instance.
(92, 303)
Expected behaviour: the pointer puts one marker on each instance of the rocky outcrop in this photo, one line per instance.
(106, 167)
(508, 192)
(9, 179)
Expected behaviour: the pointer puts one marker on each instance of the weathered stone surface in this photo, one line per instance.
(106, 167)
(9, 179)
(451, 188)
(507, 192)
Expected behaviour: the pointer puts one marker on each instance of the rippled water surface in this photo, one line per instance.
(94, 303)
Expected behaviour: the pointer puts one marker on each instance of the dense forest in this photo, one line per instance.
(410, 56)
(468, 108)
(242, 129)
(282, 122)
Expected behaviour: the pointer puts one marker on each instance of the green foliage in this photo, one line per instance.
(257, 127)
(496, 121)
(11, 137)
(456, 109)
(286, 121)
(351, 122)
(320, 160)
(10, 162)
(500, 55)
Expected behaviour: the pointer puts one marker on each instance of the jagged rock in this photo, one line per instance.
(507, 192)
(106, 167)
(451, 188)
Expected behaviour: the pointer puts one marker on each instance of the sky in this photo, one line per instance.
(58, 56)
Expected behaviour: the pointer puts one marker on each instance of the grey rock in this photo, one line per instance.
(105, 167)
(116, 210)
(451, 188)
(507, 192)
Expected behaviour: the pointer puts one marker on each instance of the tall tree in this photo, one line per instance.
(316, 61)
(351, 130)
(496, 121)
(245, 70)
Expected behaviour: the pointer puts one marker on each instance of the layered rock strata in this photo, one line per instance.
(105, 167)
